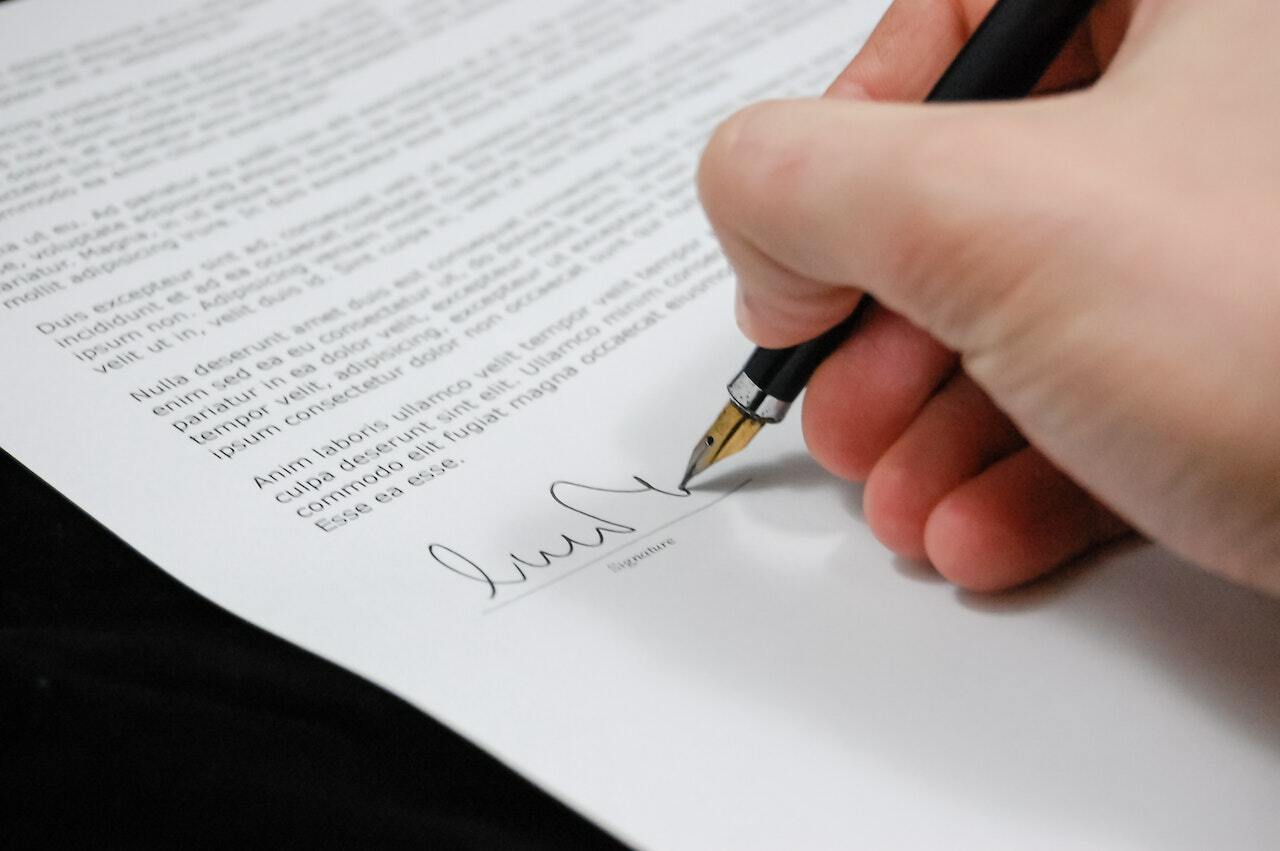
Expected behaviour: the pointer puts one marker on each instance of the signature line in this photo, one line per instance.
(619, 548)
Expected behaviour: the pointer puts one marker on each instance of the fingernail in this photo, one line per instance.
(846, 89)
(742, 311)
(739, 303)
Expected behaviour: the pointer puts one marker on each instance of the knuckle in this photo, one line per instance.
(960, 222)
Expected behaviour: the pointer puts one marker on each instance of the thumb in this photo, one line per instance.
(942, 212)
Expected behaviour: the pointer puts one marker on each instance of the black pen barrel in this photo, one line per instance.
(1010, 50)
(783, 373)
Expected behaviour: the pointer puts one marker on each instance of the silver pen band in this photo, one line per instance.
(754, 402)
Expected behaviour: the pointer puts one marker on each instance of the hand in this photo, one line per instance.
(1079, 330)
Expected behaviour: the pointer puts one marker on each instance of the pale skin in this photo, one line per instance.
(1077, 334)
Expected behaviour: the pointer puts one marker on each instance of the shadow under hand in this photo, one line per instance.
(1044, 590)
(1217, 641)
(792, 473)
(917, 570)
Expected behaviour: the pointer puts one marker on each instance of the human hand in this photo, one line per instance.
(1078, 330)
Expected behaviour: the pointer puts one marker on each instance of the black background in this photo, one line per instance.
(133, 711)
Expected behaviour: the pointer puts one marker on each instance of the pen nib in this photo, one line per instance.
(728, 435)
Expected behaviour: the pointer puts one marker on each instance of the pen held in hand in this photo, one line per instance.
(1004, 59)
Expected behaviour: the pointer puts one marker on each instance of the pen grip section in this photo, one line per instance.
(783, 373)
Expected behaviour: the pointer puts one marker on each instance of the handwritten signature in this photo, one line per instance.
(602, 531)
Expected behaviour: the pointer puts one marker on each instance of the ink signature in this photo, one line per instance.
(520, 566)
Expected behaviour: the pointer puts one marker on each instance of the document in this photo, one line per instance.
(388, 325)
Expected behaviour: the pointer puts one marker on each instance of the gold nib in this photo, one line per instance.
(728, 435)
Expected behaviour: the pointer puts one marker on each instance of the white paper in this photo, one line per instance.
(235, 234)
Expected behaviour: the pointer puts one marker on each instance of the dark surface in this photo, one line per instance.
(133, 711)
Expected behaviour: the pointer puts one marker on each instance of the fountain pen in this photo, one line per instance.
(1004, 59)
